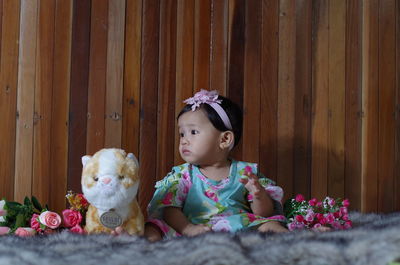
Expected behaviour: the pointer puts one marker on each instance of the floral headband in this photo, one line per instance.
(210, 98)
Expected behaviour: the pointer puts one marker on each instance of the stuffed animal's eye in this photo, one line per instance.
(121, 177)
(96, 178)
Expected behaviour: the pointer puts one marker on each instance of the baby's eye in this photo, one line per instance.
(194, 132)
(181, 135)
(95, 178)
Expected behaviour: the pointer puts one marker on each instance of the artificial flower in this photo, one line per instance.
(314, 214)
(25, 231)
(77, 229)
(4, 230)
(71, 218)
(50, 219)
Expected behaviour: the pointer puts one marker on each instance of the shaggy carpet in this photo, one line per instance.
(375, 239)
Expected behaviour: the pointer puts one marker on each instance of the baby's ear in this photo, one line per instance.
(85, 159)
(227, 140)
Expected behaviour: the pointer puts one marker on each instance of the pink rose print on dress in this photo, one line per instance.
(167, 199)
(275, 192)
(183, 187)
(222, 225)
(212, 195)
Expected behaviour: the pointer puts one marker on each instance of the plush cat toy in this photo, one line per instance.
(110, 183)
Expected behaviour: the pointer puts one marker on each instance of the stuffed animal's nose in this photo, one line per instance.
(106, 180)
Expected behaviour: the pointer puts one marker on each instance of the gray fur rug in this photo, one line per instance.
(375, 239)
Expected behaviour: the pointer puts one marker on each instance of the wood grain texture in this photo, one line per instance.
(353, 103)
(78, 92)
(166, 88)
(60, 105)
(114, 74)
(320, 90)
(25, 100)
(184, 62)
(97, 77)
(269, 88)
(202, 37)
(336, 104)
(218, 45)
(252, 79)
(286, 94)
(131, 97)
(387, 93)
(8, 94)
(236, 55)
(149, 99)
(303, 92)
(397, 161)
(43, 96)
(370, 103)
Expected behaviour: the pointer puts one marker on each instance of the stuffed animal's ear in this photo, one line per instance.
(85, 160)
(133, 157)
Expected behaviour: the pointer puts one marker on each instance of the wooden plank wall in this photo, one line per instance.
(319, 83)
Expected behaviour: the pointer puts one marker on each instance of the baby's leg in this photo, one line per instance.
(152, 232)
(272, 226)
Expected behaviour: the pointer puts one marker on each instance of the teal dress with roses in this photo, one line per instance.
(222, 205)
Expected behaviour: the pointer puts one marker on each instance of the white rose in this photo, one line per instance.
(2, 211)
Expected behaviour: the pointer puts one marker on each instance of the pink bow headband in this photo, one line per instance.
(210, 98)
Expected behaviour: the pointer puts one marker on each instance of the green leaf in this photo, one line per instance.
(27, 202)
(36, 204)
(20, 221)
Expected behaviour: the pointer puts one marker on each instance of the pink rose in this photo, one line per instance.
(313, 202)
(331, 202)
(299, 198)
(77, 229)
(319, 204)
(299, 218)
(212, 195)
(25, 231)
(35, 223)
(50, 219)
(346, 203)
(348, 224)
(4, 230)
(329, 218)
(71, 218)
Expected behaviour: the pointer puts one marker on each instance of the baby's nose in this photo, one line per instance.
(106, 180)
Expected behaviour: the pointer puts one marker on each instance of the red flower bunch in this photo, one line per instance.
(314, 214)
(73, 218)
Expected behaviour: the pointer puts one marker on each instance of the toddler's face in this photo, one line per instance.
(199, 140)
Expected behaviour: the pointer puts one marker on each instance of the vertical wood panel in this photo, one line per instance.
(336, 126)
(236, 51)
(269, 88)
(166, 88)
(286, 94)
(131, 102)
(25, 100)
(184, 61)
(43, 96)
(202, 36)
(252, 78)
(97, 76)
(353, 103)
(387, 79)
(8, 94)
(302, 111)
(397, 161)
(319, 177)
(218, 43)
(114, 75)
(60, 104)
(78, 92)
(149, 99)
(370, 98)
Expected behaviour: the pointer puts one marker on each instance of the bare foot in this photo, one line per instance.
(152, 232)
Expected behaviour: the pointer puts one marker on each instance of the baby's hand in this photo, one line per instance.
(194, 230)
(251, 184)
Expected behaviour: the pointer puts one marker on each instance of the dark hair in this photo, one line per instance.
(233, 111)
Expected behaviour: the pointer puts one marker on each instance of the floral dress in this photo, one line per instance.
(222, 205)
